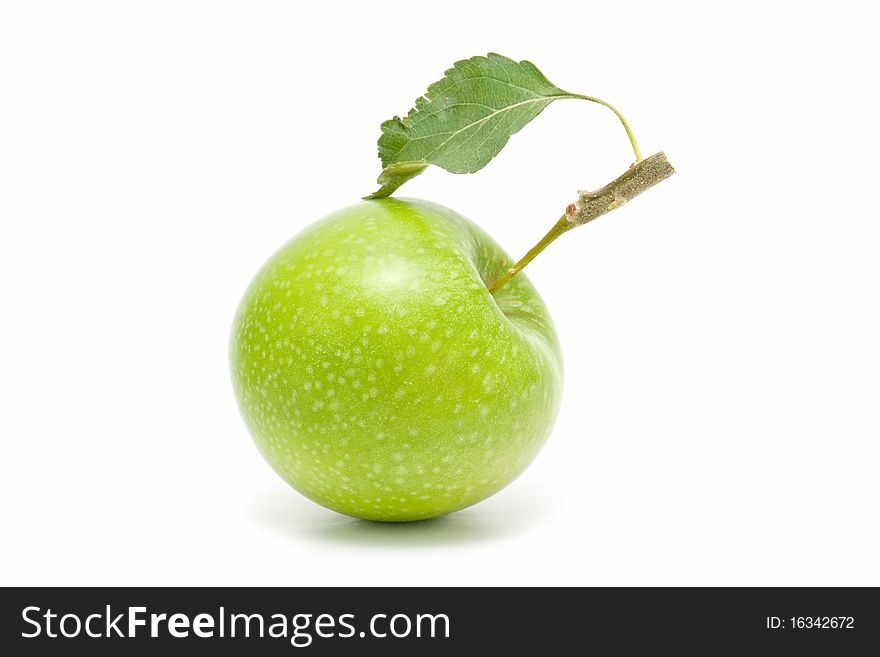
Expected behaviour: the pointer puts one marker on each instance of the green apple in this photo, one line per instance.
(377, 374)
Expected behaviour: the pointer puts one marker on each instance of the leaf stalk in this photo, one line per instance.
(629, 133)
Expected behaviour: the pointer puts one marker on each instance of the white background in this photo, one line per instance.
(720, 422)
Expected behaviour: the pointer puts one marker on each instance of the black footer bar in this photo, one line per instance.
(438, 621)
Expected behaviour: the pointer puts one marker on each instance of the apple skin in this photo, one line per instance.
(377, 374)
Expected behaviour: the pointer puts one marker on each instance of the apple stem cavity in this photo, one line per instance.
(645, 173)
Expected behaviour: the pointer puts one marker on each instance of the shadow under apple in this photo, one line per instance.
(518, 509)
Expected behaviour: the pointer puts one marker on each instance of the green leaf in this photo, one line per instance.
(464, 120)
(394, 175)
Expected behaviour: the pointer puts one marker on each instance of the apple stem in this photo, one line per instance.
(590, 205)
(559, 227)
